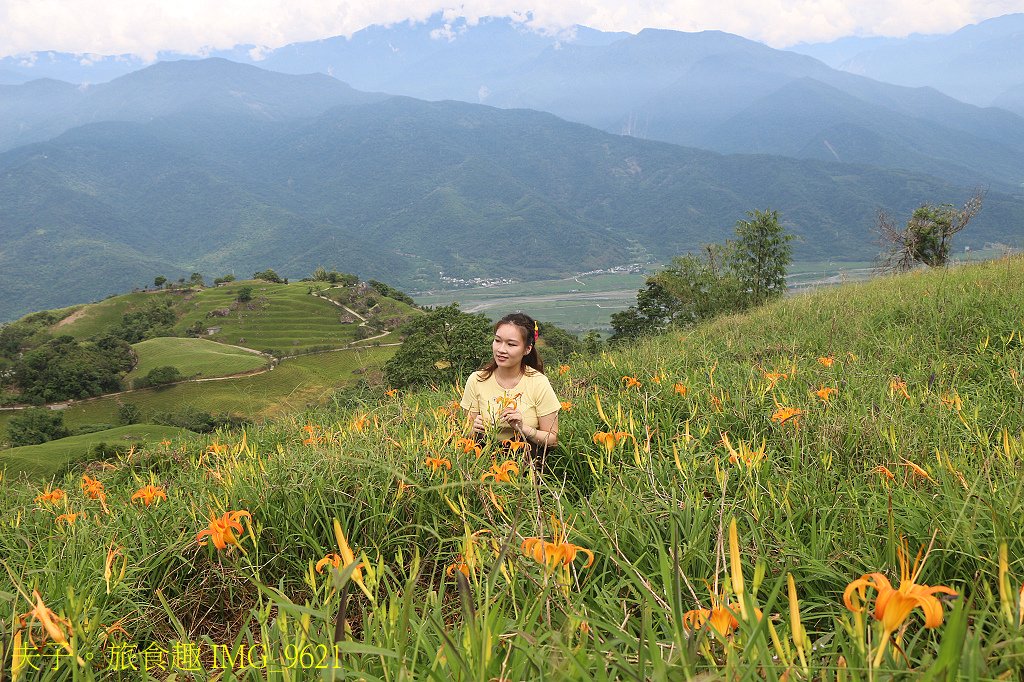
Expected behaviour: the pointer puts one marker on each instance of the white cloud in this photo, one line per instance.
(145, 27)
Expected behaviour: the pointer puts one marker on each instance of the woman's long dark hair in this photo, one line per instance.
(526, 326)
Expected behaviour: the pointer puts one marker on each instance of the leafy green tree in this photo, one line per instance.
(269, 275)
(36, 425)
(759, 256)
(440, 348)
(159, 376)
(927, 237)
(64, 368)
(159, 281)
(196, 280)
(128, 413)
(224, 280)
(244, 295)
(725, 278)
(390, 292)
(556, 344)
(149, 322)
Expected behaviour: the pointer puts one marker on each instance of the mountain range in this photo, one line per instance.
(566, 153)
(710, 90)
(227, 178)
(982, 64)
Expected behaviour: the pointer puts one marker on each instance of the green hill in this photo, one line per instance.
(721, 515)
(194, 358)
(48, 458)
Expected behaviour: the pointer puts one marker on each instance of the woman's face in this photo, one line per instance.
(508, 346)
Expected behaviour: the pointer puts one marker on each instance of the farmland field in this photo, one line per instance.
(192, 357)
(289, 386)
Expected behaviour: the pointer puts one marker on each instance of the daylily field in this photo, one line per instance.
(829, 488)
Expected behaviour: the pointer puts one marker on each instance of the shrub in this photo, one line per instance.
(36, 425)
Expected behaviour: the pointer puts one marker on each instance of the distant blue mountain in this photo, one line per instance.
(221, 167)
(977, 64)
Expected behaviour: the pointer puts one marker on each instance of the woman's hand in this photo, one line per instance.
(513, 417)
(478, 424)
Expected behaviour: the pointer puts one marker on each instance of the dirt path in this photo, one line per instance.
(73, 317)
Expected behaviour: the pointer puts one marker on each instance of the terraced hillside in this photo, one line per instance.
(194, 358)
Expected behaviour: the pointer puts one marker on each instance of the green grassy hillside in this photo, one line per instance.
(723, 502)
(48, 458)
(193, 358)
(290, 386)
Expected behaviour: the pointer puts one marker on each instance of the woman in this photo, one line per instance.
(511, 392)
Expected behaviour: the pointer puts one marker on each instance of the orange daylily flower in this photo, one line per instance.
(51, 496)
(631, 382)
(460, 565)
(893, 606)
(826, 361)
(92, 488)
(716, 402)
(436, 463)
(501, 472)
(348, 557)
(329, 560)
(468, 445)
(166, 443)
(359, 423)
(149, 494)
(897, 385)
(609, 439)
(68, 518)
(391, 393)
(786, 414)
(656, 378)
(222, 529)
(720, 617)
(509, 402)
(514, 446)
(566, 405)
(216, 448)
(558, 552)
(680, 389)
(825, 393)
(916, 472)
(952, 402)
(882, 470)
(469, 559)
(55, 629)
(563, 369)
(774, 378)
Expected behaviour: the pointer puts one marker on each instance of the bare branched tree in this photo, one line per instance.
(927, 237)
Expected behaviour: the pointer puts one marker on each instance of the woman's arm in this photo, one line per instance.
(546, 433)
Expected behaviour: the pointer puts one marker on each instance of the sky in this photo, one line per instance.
(145, 27)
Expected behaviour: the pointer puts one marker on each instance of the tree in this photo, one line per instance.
(159, 376)
(760, 255)
(196, 280)
(725, 278)
(36, 425)
(244, 295)
(927, 237)
(440, 348)
(128, 413)
(269, 275)
(159, 281)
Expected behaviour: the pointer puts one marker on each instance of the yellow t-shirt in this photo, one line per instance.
(533, 395)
